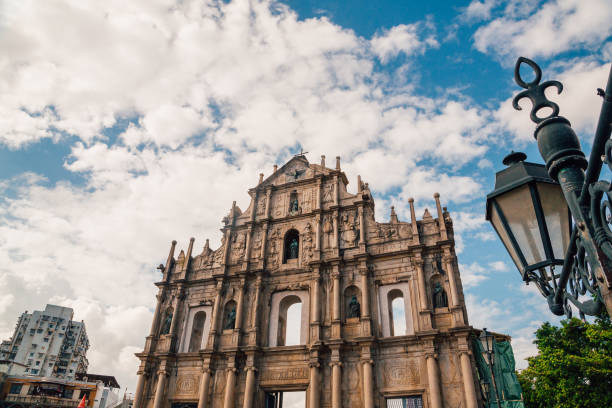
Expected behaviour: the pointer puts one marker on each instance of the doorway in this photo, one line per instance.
(286, 399)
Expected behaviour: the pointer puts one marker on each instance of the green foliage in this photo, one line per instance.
(573, 367)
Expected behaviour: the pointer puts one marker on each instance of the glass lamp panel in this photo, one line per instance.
(557, 217)
(499, 227)
(517, 206)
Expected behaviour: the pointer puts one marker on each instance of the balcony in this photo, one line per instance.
(41, 401)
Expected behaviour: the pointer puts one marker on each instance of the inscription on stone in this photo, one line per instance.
(288, 374)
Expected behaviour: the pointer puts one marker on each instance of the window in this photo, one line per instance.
(289, 321)
(29, 362)
(46, 339)
(15, 389)
(31, 354)
(292, 245)
(34, 371)
(197, 331)
(397, 314)
(405, 402)
(39, 331)
(38, 363)
(281, 317)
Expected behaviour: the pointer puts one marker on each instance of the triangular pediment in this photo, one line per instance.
(296, 169)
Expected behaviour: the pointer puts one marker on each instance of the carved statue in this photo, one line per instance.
(307, 243)
(354, 307)
(293, 248)
(328, 192)
(327, 229)
(230, 321)
(294, 206)
(167, 323)
(439, 296)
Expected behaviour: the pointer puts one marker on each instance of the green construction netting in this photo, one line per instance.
(506, 382)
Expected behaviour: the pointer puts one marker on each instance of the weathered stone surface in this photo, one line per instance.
(343, 253)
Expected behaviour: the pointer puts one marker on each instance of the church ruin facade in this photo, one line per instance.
(308, 293)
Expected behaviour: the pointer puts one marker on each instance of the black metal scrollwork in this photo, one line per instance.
(535, 91)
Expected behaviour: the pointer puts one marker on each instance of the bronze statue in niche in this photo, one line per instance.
(439, 296)
(167, 322)
(230, 318)
(354, 307)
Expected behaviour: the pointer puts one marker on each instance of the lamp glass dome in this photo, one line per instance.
(530, 214)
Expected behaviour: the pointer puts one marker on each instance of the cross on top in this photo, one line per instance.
(301, 153)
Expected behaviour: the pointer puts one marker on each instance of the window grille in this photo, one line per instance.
(405, 402)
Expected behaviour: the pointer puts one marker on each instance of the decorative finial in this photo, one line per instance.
(514, 157)
(337, 162)
(535, 91)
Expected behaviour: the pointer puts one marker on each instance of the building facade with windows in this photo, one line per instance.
(47, 343)
(310, 299)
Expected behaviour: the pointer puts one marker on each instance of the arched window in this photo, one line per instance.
(397, 313)
(197, 330)
(292, 245)
(289, 321)
(352, 302)
(229, 316)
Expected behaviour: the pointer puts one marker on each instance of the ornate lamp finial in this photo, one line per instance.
(535, 91)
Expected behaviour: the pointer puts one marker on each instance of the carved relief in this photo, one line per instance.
(307, 201)
(256, 250)
(238, 245)
(349, 229)
(328, 193)
(328, 228)
(186, 384)
(274, 245)
(282, 375)
(261, 207)
(206, 257)
(307, 246)
(402, 373)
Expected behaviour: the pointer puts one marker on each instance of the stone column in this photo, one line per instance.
(336, 294)
(249, 389)
(468, 380)
(368, 384)
(268, 201)
(313, 388)
(318, 233)
(204, 386)
(423, 302)
(365, 293)
(434, 381)
(160, 389)
(315, 306)
(336, 384)
(335, 235)
(448, 261)
(441, 223)
(215, 315)
(156, 315)
(362, 230)
(413, 222)
(139, 388)
(239, 307)
(228, 400)
(254, 317)
(264, 240)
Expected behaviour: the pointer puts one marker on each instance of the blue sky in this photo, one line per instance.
(123, 127)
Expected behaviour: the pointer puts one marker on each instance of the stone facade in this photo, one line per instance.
(222, 315)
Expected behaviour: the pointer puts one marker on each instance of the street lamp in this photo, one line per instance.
(558, 214)
(487, 340)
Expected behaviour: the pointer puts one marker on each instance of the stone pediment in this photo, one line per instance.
(294, 170)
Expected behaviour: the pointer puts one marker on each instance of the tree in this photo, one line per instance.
(573, 367)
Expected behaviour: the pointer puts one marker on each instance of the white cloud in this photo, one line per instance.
(478, 10)
(214, 93)
(472, 275)
(556, 26)
(401, 38)
(498, 266)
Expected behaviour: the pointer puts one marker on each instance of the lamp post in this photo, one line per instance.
(487, 340)
(558, 215)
